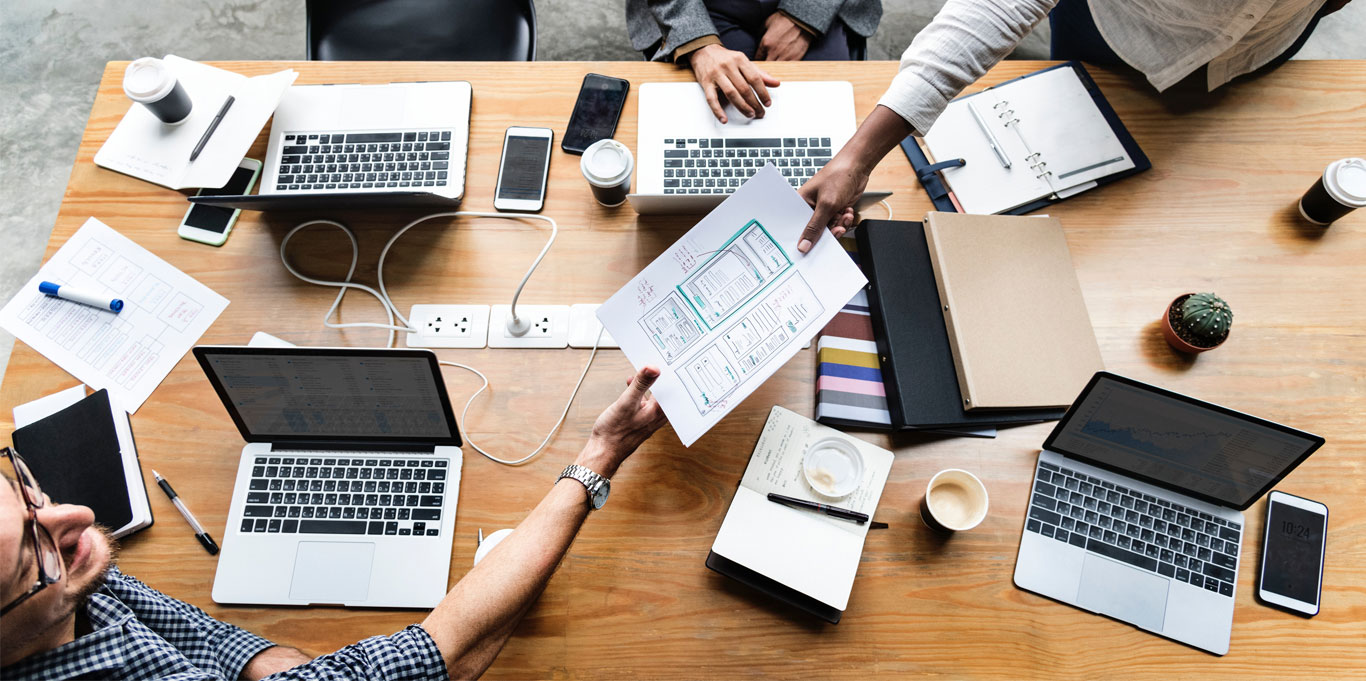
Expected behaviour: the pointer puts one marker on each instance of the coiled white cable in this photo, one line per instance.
(888, 206)
(382, 295)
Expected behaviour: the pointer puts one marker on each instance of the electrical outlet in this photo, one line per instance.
(549, 326)
(584, 327)
(449, 326)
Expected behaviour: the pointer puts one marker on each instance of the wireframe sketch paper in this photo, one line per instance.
(146, 148)
(129, 353)
(728, 304)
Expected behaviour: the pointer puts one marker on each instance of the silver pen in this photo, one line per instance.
(991, 138)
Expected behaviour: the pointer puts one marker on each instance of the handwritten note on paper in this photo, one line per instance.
(129, 353)
(728, 304)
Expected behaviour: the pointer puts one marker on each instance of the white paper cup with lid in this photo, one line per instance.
(1340, 190)
(149, 82)
(833, 467)
(607, 165)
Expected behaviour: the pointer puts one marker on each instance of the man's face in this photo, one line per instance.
(86, 554)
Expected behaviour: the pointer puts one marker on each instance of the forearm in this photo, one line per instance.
(273, 660)
(965, 39)
(476, 618)
(881, 132)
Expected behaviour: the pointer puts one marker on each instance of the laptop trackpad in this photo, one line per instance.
(1127, 593)
(332, 572)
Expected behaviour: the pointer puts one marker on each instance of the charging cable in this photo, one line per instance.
(514, 323)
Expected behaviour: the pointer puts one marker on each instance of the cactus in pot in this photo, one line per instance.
(1196, 322)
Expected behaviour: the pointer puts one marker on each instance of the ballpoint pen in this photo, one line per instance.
(991, 138)
(833, 511)
(212, 127)
(199, 532)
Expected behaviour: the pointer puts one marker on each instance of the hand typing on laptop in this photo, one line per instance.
(729, 76)
(55, 564)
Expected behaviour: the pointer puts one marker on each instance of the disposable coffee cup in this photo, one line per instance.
(149, 82)
(833, 467)
(1340, 190)
(955, 500)
(607, 165)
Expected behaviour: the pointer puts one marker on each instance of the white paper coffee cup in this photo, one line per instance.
(149, 82)
(955, 500)
(607, 165)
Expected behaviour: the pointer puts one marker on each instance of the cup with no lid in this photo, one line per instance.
(955, 500)
(833, 467)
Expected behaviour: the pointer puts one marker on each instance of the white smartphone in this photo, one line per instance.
(523, 170)
(211, 224)
(1291, 576)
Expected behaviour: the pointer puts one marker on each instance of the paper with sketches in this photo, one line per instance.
(728, 304)
(146, 148)
(129, 353)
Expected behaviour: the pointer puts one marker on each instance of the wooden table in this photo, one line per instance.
(633, 599)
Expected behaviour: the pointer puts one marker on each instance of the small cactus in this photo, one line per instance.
(1207, 318)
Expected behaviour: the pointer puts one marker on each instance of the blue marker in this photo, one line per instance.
(76, 295)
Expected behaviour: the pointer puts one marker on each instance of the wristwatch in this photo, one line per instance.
(597, 486)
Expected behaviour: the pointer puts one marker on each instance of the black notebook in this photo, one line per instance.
(77, 455)
(908, 327)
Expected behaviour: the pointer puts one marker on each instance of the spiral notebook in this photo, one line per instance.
(1025, 143)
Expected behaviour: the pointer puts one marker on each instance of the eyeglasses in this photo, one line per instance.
(44, 549)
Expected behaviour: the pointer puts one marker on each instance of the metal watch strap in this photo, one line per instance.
(590, 480)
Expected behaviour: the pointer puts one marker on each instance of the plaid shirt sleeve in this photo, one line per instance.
(409, 654)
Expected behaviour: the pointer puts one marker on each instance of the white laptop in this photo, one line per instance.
(346, 491)
(1136, 509)
(689, 162)
(363, 145)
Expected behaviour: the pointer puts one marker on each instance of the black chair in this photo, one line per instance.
(421, 30)
(858, 45)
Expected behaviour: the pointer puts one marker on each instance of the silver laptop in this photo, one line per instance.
(346, 491)
(1136, 507)
(364, 145)
(689, 162)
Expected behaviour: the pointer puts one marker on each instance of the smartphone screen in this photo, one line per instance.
(524, 166)
(1294, 552)
(214, 218)
(596, 112)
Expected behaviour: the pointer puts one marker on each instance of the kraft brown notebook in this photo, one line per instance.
(1013, 310)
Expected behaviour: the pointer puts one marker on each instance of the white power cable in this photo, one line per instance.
(888, 206)
(382, 295)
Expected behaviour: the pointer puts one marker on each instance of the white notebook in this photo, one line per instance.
(811, 552)
(1047, 127)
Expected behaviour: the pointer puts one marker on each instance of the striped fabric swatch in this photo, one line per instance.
(849, 390)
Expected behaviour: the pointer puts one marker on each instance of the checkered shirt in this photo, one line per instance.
(137, 632)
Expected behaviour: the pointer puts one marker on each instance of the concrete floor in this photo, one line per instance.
(52, 55)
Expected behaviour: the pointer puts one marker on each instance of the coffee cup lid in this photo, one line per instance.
(1345, 181)
(607, 162)
(148, 79)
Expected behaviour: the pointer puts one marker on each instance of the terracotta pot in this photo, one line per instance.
(1170, 334)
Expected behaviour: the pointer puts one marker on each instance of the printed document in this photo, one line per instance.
(728, 304)
(129, 352)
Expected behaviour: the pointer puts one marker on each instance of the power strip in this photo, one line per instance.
(584, 327)
(449, 326)
(549, 327)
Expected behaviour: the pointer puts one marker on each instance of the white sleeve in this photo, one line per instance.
(965, 39)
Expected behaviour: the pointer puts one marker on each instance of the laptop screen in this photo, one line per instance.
(332, 394)
(1178, 442)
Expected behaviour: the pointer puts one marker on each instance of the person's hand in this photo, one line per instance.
(730, 74)
(832, 193)
(624, 425)
(783, 40)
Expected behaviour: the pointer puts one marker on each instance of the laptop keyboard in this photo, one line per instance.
(1135, 528)
(720, 165)
(364, 160)
(330, 495)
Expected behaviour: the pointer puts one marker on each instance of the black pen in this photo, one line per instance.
(199, 532)
(833, 511)
(212, 127)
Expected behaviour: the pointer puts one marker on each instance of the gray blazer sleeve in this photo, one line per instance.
(674, 21)
(861, 16)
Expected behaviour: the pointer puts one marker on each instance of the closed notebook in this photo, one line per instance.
(1013, 310)
(80, 455)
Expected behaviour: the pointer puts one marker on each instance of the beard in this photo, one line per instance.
(80, 591)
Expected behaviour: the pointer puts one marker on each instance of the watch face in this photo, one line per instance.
(600, 496)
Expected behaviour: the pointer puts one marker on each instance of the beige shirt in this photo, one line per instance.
(1166, 40)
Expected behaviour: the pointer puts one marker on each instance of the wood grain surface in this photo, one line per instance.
(633, 599)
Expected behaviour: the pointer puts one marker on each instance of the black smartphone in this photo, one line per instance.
(1291, 576)
(595, 116)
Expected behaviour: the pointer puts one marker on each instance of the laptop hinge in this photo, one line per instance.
(354, 447)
